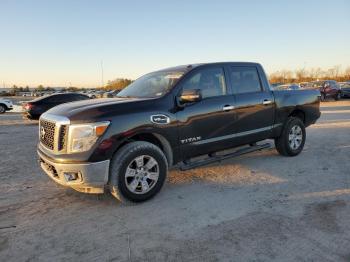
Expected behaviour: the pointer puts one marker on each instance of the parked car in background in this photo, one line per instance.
(99, 94)
(287, 87)
(95, 93)
(33, 109)
(275, 84)
(5, 105)
(111, 94)
(328, 88)
(303, 84)
(345, 89)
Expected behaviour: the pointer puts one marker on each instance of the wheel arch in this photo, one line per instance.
(298, 113)
(153, 138)
(3, 104)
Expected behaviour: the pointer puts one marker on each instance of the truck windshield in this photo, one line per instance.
(151, 85)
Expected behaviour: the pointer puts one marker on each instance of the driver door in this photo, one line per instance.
(204, 125)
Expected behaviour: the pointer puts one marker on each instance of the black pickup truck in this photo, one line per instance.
(170, 117)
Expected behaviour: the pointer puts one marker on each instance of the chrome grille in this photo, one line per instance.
(62, 137)
(47, 133)
(53, 132)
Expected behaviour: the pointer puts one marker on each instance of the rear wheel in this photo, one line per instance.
(138, 171)
(292, 140)
(2, 109)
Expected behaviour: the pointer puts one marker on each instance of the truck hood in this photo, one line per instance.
(87, 110)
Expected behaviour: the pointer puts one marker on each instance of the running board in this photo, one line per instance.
(212, 158)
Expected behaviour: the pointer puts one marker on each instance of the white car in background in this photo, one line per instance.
(5, 105)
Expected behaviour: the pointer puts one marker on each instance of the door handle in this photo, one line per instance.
(267, 102)
(228, 108)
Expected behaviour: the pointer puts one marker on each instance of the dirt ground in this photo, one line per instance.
(257, 207)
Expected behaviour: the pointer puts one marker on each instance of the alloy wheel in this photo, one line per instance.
(295, 137)
(142, 174)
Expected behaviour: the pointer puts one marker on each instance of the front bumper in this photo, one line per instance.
(89, 177)
(345, 93)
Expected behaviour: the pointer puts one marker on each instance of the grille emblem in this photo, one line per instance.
(160, 119)
(42, 132)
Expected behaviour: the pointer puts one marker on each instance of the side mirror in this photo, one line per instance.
(190, 96)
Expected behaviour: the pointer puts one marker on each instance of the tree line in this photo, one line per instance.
(312, 74)
(280, 76)
(118, 84)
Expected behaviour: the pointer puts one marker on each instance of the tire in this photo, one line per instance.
(132, 187)
(337, 97)
(2, 109)
(294, 128)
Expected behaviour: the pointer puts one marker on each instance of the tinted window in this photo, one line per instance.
(64, 98)
(245, 79)
(78, 97)
(210, 81)
(56, 98)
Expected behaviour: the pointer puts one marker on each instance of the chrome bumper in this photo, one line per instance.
(89, 177)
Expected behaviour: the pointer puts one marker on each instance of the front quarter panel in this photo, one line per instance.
(136, 121)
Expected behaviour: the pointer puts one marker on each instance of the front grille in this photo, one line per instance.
(62, 138)
(47, 133)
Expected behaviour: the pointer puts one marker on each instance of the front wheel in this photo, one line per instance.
(138, 171)
(291, 141)
(2, 109)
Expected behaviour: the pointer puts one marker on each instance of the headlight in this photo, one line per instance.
(82, 137)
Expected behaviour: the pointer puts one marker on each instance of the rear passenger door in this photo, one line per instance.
(254, 104)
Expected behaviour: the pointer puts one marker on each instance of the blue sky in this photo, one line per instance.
(58, 43)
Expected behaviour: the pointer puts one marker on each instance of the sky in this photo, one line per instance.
(67, 43)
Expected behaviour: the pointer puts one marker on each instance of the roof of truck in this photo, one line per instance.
(189, 67)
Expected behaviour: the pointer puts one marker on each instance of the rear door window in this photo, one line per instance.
(245, 79)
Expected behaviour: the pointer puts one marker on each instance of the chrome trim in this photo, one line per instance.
(254, 131)
(55, 118)
(58, 121)
(227, 108)
(267, 102)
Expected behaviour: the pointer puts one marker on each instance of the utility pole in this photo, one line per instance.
(102, 82)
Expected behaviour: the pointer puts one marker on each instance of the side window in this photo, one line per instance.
(82, 97)
(77, 97)
(210, 81)
(57, 98)
(245, 79)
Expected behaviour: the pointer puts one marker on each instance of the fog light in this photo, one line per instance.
(71, 176)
